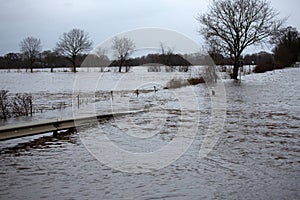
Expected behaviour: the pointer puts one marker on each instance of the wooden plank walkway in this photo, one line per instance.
(22, 130)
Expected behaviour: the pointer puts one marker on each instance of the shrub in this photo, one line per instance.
(22, 105)
(195, 81)
(266, 67)
(263, 68)
(19, 105)
(4, 104)
(176, 83)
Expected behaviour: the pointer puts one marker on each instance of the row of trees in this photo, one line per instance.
(45, 59)
(70, 44)
(51, 59)
(229, 27)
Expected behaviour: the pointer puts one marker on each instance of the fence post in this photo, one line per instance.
(30, 104)
(78, 101)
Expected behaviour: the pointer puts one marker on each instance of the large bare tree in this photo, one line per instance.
(72, 43)
(122, 47)
(234, 25)
(30, 47)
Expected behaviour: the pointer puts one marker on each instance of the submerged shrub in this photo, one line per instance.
(195, 81)
(19, 105)
(176, 83)
(22, 105)
(4, 105)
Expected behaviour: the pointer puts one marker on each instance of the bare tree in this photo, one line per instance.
(122, 48)
(31, 47)
(166, 50)
(72, 43)
(233, 25)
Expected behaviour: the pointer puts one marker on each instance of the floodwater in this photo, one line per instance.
(257, 156)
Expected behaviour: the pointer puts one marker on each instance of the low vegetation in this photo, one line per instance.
(177, 82)
(14, 106)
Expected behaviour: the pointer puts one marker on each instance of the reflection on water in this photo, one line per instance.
(257, 156)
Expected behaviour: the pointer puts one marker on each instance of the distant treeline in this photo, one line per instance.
(46, 59)
(165, 59)
(249, 59)
(263, 61)
(50, 59)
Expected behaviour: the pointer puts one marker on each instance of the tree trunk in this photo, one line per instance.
(74, 64)
(31, 66)
(235, 70)
(236, 66)
(120, 66)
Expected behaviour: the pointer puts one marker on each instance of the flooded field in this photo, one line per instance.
(257, 156)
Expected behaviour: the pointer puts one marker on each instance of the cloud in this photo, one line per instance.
(48, 19)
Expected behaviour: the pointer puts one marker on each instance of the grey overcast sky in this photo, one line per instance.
(48, 19)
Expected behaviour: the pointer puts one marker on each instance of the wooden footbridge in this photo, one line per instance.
(55, 125)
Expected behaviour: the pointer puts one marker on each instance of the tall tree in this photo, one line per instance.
(122, 47)
(234, 25)
(287, 50)
(31, 47)
(72, 43)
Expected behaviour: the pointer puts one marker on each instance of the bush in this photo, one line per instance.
(176, 83)
(265, 67)
(4, 104)
(20, 105)
(195, 81)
